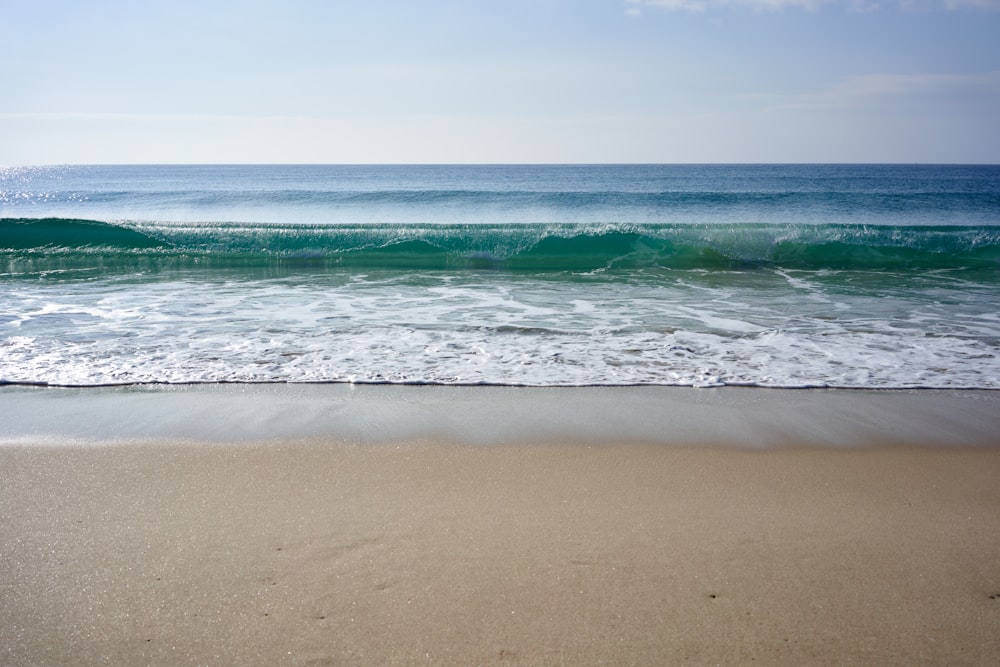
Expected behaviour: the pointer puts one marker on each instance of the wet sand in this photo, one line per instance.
(323, 550)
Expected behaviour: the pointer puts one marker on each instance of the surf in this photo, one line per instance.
(510, 247)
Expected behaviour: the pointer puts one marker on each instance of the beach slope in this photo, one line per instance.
(328, 550)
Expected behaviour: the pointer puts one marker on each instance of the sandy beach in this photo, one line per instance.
(327, 550)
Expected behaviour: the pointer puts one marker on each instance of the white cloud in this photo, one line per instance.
(705, 5)
(958, 4)
(634, 7)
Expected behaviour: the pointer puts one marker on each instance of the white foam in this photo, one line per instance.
(496, 329)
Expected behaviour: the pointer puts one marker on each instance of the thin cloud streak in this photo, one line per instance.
(864, 89)
(634, 7)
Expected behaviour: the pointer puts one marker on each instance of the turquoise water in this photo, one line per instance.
(787, 276)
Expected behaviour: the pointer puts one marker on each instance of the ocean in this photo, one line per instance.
(794, 276)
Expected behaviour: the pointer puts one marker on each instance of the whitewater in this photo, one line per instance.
(860, 276)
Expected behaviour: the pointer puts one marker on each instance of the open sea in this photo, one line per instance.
(860, 276)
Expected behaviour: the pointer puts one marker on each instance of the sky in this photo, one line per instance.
(499, 81)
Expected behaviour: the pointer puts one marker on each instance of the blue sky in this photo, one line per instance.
(499, 81)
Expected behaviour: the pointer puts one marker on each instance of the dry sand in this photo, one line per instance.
(319, 552)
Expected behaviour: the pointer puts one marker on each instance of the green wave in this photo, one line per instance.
(56, 244)
(70, 234)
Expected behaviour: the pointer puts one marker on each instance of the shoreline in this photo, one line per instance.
(443, 526)
(490, 415)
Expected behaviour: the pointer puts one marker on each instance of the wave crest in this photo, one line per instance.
(514, 247)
